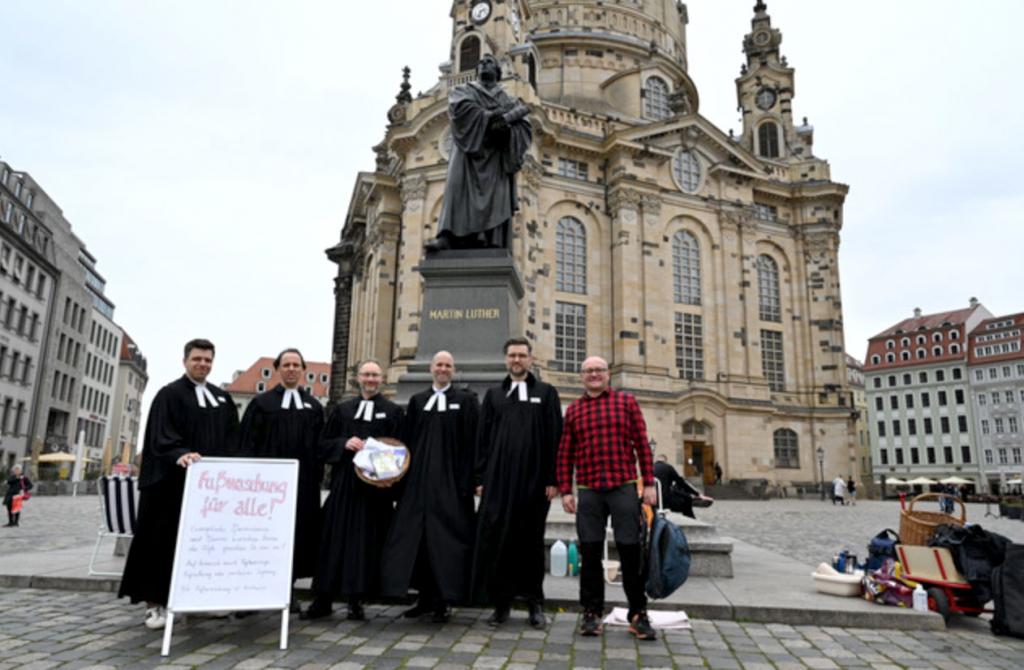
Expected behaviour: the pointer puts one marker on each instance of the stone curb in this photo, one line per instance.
(888, 618)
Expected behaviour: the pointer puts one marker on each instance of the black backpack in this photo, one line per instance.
(669, 560)
(1008, 593)
(881, 547)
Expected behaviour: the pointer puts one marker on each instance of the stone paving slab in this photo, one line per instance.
(54, 629)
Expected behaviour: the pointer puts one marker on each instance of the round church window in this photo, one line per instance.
(687, 171)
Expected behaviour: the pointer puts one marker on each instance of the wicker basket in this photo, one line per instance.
(383, 484)
(918, 526)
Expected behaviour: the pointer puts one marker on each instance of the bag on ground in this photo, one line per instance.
(669, 560)
(881, 547)
(1008, 593)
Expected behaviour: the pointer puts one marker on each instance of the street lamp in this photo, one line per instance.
(821, 470)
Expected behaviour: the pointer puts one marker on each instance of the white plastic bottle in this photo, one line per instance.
(920, 599)
(559, 559)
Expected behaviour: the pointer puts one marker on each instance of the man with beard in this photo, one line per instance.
(357, 515)
(430, 545)
(520, 425)
(285, 422)
(490, 138)
(188, 419)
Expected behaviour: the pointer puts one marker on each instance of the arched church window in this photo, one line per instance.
(656, 99)
(571, 256)
(787, 450)
(469, 53)
(531, 70)
(769, 303)
(768, 140)
(686, 268)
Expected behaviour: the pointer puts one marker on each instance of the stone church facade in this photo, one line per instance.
(702, 265)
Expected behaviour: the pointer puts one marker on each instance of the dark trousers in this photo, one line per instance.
(592, 511)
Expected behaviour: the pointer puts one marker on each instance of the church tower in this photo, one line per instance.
(496, 27)
(765, 91)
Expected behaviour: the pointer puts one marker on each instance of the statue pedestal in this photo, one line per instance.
(470, 308)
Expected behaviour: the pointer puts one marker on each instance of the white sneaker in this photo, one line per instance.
(156, 617)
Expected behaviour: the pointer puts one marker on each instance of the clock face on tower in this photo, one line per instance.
(765, 98)
(480, 12)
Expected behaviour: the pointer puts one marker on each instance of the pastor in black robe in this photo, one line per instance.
(480, 191)
(272, 431)
(357, 515)
(430, 545)
(515, 461)
(177, 425)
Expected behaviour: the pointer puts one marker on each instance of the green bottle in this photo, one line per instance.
(574, 559)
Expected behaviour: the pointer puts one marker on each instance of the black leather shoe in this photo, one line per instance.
(591, 625)
(317, 610)
(499, 616)
(442, 614)
(439, 243)
(536, 619)
(356, 612)
(417, 610)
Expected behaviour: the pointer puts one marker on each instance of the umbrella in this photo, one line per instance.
(923, 481)
(956, 480)
(895, 481)
(57, 457)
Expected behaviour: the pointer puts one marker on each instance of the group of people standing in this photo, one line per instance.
(513, 451)
(844, 491)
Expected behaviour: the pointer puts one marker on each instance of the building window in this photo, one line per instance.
(768, 300)
(896, 432)
(995, 397)
(686, 268)
(944, 424)
(877, 382)
(572, 169)
(469, 53)
(985, 427)
(906, 378)
(899, 457)
(768, 140)
(928, 426)
(909, 400)
(989, 457)
(787, 453)
(982, 399)
(926, 400)
(1003, 459)
(940, 375)
(904, 355)
(890, 344)
(571, 256)
(915, 456)
(261, 387)
(890, 357)
(947, 454)
(772, 362)
(687, 171)
(656, 99)
(961, 423)
(942, 399)
(1006, 370)
(1012, 423)
(999, 425)
(1016, 456)
(879, 404)
(876, 359)
(1009, 396)
(690, 346)
(894, 402)
(884, 456)
(911, 426)
(265, 373)
(957, 373)
(958, 395)
(570, 336)
(323, 377)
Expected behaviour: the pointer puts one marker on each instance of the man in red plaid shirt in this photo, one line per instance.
(604, 439)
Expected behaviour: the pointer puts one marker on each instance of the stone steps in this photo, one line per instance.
(710, 553)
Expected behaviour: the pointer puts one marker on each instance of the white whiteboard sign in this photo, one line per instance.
(236, 536)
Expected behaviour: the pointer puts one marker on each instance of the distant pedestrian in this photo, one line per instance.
(839, 490)
(18, 486)
(851, 486)
(718, 473)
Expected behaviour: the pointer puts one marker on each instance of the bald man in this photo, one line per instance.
(430, 544)
(604, 443)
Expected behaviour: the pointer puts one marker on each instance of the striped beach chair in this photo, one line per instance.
(119, 499)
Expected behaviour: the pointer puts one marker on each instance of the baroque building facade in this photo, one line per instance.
(702, 265)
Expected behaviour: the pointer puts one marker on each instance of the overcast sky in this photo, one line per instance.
(206, 150)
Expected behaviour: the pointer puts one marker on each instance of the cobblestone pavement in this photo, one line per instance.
(50, 629)
(51, 523)
(811, 531)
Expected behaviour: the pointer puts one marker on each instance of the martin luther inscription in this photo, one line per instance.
(476, 314)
